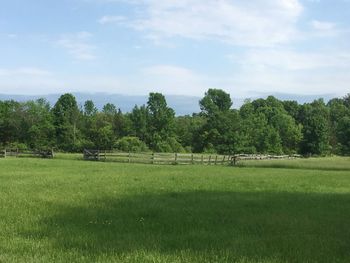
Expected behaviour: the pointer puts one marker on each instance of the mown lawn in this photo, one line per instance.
(77, 211)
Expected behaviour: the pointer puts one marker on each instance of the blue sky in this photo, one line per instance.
(180, 47)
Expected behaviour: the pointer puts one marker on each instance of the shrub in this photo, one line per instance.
(131, 144)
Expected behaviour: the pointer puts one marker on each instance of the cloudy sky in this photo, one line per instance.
(175, 46)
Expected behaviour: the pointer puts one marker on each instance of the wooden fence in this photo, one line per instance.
(237, 158)
(176, 158)
(157, 158)
(26, 153)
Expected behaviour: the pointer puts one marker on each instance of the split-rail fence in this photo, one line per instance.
(26, 153)
(175, 158)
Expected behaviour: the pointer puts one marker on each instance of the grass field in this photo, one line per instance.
(65, 210)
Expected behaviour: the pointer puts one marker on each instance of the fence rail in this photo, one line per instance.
(17, 153)
(177, 158)
(156, 158)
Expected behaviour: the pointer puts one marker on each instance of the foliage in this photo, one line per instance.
(131, 144)
(259, 126)
(65, 118)
(316, 129)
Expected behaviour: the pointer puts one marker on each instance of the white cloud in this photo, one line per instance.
(291, 71)
(27, 80)
(111, 19)
(322, 25)
(78, 45)
(24, 71)
(291, 60)
(247, 23)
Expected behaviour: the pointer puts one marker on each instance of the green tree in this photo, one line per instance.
(187, 131)
(316, 134)
(11, 116)
(337, 111)
(138, 118)
(343, 134)
(346, 100)
(160, 121)
(89, 108)
(220, 132)
(39, 129)
(65, 119)
(214, 101)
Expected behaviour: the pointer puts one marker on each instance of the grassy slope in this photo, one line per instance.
(76, 211)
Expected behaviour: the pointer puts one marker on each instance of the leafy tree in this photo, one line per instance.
(220, 132)
(138, 118)
(65, 119)
(337, 111)
(290, 134)
(187, 131)
(343, 134)
(38, 126)
(89, 108)
(315, 121)
(292, 108)
(215, 100)
(110, 109)
(10, 122)
(346, 100)
(160, 120)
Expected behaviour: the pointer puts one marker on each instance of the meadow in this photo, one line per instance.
(68, 210)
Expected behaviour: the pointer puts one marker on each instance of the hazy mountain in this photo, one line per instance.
(181, 104)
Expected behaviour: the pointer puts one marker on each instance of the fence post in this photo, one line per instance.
(234, 159)
(192, 159)
(202, 159)
(216, 159)
(5, 153)
(209, 162)
(152, 158)
(175, 158)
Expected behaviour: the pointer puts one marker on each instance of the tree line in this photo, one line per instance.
(259, 126)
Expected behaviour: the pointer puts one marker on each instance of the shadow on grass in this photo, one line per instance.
(288, 227)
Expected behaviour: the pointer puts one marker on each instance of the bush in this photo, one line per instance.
(170, 145)
(131, 144)
(16, 145)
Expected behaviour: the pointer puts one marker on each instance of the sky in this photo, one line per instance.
(177, 47)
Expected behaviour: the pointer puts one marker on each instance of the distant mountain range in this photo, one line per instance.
(181, 104)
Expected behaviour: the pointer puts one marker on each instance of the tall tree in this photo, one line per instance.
(38, 126)
(138, 118)
(316, 134)
(65, 119)
(221, 130)
(89, 108)
(160, 122)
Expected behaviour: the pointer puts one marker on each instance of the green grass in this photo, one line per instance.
(326, 163)
(76, 211)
